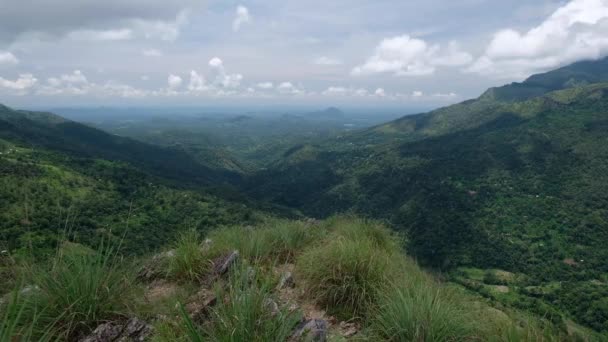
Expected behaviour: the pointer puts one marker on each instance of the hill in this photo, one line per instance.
(52, 132)
(59, 178)
(514, 185)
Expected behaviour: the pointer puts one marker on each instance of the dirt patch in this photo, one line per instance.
(500, 288)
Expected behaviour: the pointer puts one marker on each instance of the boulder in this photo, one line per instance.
(156, 267)
(313, 330)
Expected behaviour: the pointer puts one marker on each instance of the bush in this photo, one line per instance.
(188, 261)
(346, 271)
(246, 312)
(422, 312)
(77, 292)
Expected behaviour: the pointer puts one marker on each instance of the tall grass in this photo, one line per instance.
(188, 261)
(274, 240)
(13, 326)
(423, 311)
(348, 269)
(245, 311)
(77, 292)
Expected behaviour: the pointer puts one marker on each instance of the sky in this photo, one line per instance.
(337, 52)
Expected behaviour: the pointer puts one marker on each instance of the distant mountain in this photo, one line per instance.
(516, 182)
(328, 113)
(49, 131)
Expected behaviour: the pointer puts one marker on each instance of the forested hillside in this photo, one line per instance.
(514, 182)
(60, 178)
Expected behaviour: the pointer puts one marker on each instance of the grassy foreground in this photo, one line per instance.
(346, 271)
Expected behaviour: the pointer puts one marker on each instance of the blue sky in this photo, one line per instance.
(379, 52)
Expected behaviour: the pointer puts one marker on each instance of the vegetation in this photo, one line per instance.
(504, 197)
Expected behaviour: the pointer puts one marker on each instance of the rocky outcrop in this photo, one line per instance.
(222, 264)
(131, 331)
(313, 330)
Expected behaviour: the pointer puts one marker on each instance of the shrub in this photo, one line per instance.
(422, 311)
(246, 312)
(346, 271)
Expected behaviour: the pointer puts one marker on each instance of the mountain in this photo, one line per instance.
(510, 182)
(50, 131)
(60, 178)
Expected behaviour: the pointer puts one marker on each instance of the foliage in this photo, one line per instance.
(77, 291)
(246, 314)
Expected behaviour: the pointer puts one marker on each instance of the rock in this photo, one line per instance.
(314, 330)
(133, 330)
(156, 267)
(286, 281)
(222, 264)
(348, 329)
(200, 304)
(272, 306)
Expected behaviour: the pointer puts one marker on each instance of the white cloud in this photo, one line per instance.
(174, 81)
(8, 58)
(145, 78)
(222, 78)
(151, 52)
(323, 60)
(575, 31)
(94, 35)
(335, 91)
(23, 82)
(265, 85)
(288, 88)
(445, 95)
(75, 83)
(242, 16)
(197, 82)
(121, 90)
(380, 92)
(160, 29)
(417, 93)
(407, 56)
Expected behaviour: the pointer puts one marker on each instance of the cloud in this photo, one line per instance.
(151, 52)
(380, 92)
(335, 91)
(59, 17)
(7, 58)
(174, 81)
(265, 85)
(197, 82)
(109, 35)
(417, 93)
(24, 82)
(573, 32)
(76, 77)
(407, 56)
(241, 17)
(288, 88)
(323, 60)
(222, 78)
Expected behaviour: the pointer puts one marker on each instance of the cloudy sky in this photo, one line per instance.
(191, 52)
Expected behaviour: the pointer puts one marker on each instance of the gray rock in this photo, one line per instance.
(313, 330)
(223, 264)
(286, 281)
(134, 330)
(200, 304)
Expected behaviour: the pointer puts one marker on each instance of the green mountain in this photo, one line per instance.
(59, 177)
(49, 131)
(510, 181)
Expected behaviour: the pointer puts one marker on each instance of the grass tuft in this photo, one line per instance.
(422, 311)
(347, 270)
(246, 311)
(188, 262)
